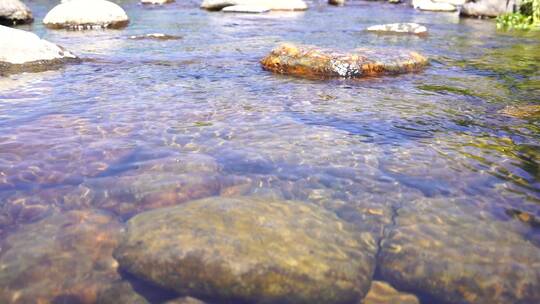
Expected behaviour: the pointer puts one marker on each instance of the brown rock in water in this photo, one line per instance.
(65, 258)
(524, 111)
(249, 250)
(308, 61)
(383, 293)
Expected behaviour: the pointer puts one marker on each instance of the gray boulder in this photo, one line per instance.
(13, 12)
(487, 8)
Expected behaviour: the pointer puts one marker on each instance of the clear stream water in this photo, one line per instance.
(104, 133)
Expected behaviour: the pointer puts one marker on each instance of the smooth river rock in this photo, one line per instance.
(65, 258)
(86, 14)
(428, 5)
(452, 252)
(399, 28)
(249, 249)
(13, 12)
(22, 51)
(275, 5)
(312, 62)
(487, 8)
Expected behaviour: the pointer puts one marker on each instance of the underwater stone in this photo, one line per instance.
(308, 61)
(399, 28)
(64, 258)
(249, 249)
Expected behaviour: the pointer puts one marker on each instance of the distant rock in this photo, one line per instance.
(274, 5)
(308, 61)
(249, 250)
(522, 111)
(155, 36)
(453, 2)
(250, 9)
(156, 2)
(487, 8)
(336, 2)
(428, 5)
(383, 293)
(399, 28)
(86, 14)
(22, 51)
(13, 12)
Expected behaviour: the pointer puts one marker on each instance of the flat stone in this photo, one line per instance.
(249, 249)
(13, 12)
(64, 258)
(22, 51)
(399, 28)
(450, 251)
(253, 9)
(383, 293)
(308, 61)
(428, 5)
(86, 14)
(274, 5)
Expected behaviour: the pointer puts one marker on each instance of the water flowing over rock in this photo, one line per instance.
(254, 9)
(275, 5)
(455, 254)
(487, 8)
(249, 249)
(65, 258)
(22, 51)
(522, 111)
(308, 61)
(14, 12)
(86, 14)
(155, 36)
(399, 28)
(428, 5)
(156, 2)
(383, 293)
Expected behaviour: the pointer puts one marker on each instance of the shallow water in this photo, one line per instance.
(142, 124)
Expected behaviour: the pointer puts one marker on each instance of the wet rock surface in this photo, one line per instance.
(156, 2)
(86, 14)
(275, 5)
(312, 62)
(524, 111)
(399, 28)
(249, 249)
(155, 36)
(22, 51)
(456, 254)
(487, 8)
(383, 293)
(13, 12)
(64, 258)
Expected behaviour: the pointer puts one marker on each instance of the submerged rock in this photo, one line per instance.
(383, 293)
(487, 8)
(399, 28)
(13, 12)
(336, 2)
(155, 36)
(249, 249)
(86, 14)
(307, 61)
(156, 2)
(428, 5)
(524, 111)
(65, 258)
(254, 9)
(456, 254)
(22, 51)
(275, 5)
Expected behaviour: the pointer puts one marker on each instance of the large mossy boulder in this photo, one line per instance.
(86, 14)
(312, 62)
(249, 249)
(13, 12)
(64, 258)
(22, 51)
(456, 254)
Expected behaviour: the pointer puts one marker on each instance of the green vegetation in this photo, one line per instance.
(527, 18)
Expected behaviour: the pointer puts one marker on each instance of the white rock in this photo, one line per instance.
(156, 2)
(453, 2)
(86, 14)
(428, 5)
(254, 9)
(274, 5)
(402, 28)
(20, 47)
(14, 12)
